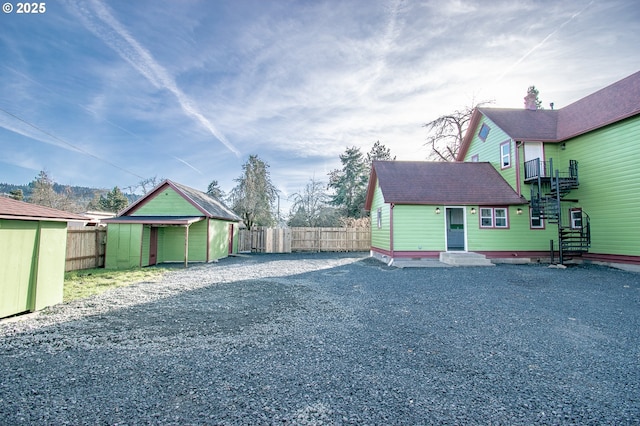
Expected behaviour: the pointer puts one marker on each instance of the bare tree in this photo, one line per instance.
(254, 195)
(446, 133)
(309, 204)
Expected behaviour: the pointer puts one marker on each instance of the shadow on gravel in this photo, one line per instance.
(353, 344)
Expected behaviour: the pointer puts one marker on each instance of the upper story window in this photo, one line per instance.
(484, 132)
(505, 154)
(494, 217)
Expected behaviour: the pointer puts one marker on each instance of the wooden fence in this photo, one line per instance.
(85, 248)
(287, 240)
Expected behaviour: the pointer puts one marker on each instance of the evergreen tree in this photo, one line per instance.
(215, 191)
(113, 201)
(379, 152)
(350, 183)
(16, 194)
(43, 193)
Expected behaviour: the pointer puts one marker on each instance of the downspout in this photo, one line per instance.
(392, 205)
(186, 245)
(518, 188)
(208, 245)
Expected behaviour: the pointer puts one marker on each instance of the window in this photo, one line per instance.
(379, 218)
(536, 222)
(505, 154)
(494, 217)
(576, 218)
(484, 132)
(475, 158)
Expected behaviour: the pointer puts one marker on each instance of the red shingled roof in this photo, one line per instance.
(13, 209)
(423, 182)
(606, 106)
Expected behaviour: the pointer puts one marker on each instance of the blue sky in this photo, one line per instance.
(108, 93)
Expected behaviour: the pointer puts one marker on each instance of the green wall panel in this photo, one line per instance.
(380, 237)
(219, 239)
(609, 192)
(32, 260)
(167, 203)
(123, 246)
(18, 254)
(418, 228)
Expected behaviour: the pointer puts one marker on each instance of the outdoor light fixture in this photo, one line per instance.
(519, 211)
(437, 210)
(473, 210)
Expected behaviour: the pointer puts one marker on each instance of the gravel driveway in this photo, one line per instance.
(333, 339)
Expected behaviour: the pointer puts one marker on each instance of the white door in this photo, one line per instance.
(533, 150)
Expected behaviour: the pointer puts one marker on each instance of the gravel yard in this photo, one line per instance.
(316, 339)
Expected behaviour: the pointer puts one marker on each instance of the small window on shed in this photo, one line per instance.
(484, 132)
(379, 218)
(475, 158)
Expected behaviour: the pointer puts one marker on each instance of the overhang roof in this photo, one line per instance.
(209, 206)
(155, 220)
(19, 210)
(609, 105)
(424, 182)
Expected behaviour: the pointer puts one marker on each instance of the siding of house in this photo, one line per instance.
(124, 246)
(518, 237)
(418, 228)
(489, 150)
(146, 241)
(219, 239)
(32, 257)
(380, 237)
(167, 203)
(609, 175)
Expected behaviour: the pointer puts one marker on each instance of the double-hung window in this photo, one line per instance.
(494, 217)
(536, 221)
(505, 154)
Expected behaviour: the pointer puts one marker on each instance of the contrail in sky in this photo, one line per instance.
(187, 164)
(539, 45)
(102, 23)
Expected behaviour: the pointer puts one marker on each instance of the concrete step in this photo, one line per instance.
(464, 259)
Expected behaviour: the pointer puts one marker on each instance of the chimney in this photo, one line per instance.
(530, 102)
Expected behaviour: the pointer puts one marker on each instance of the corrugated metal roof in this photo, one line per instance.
(423, 182)
(14, 209)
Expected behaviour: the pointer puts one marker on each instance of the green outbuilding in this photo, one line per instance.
(33, 243)
(172, 223)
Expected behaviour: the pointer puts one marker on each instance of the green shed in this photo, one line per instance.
(33, 243)
(172, 223)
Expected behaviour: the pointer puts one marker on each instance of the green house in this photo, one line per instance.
(33, 243)
(420, 209)
(577, 168)
(172, 223)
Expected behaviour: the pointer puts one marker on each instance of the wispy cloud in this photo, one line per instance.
(541, 43)
(99, 20)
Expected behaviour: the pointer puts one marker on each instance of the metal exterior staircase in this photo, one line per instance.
(548, 196)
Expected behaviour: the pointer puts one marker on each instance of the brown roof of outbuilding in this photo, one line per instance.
(209, 206)
(609, 105)
(19, 210)
(423, 182)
